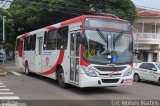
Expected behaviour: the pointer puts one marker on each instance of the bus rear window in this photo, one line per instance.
(107, 23)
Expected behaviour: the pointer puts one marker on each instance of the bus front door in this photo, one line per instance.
(74, 56)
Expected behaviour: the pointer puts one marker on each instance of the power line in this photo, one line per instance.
(63, 9)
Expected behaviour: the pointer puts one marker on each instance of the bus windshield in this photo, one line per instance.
(107, 47)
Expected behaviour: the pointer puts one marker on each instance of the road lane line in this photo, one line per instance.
(9, 98)
(1, 83)
(4, 89)
(2, 86)
(6, 93)
(11, 67)
(16, 73)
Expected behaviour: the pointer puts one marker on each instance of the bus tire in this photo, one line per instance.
(60, 78)
(159, 81)
(27, 69)
(136, 78)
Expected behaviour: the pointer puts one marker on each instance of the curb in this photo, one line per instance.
(3, 71)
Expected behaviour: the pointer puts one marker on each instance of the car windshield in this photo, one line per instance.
(107, 47)
(158, 65)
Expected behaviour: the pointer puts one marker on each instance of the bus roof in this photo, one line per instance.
(67, 22)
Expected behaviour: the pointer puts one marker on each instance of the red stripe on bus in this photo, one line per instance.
(74, 20)
(23, 36)
(20, 50)
(51, 27)
(59, 61)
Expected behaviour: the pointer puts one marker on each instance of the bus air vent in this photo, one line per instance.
(100, 68)
(110, 80)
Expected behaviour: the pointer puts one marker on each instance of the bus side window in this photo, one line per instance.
(62, 38)
(28, 43)
(25, 44)
(51, 40)
(34, 42)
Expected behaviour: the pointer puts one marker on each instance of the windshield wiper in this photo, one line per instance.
(103, 37)
(116, 38)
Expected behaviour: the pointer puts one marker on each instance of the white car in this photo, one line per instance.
(147, 71)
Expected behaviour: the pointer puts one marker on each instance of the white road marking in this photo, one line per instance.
(6, 93)
(16, 73)
(9, 98)
(2, 86)
(11, 67)
(4, 89)
(1, 83)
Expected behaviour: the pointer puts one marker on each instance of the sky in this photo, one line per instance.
(155, 4)
(5, 3)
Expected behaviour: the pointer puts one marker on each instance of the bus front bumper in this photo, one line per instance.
(86, 81)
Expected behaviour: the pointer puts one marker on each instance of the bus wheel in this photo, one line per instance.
(136, 78)
(26, 69)
(61, 78)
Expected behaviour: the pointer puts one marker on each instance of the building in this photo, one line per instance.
(147, 34)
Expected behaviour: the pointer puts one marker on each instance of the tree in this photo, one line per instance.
(123, 8)
(28, 15)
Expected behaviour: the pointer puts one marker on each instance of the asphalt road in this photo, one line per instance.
(40, 88)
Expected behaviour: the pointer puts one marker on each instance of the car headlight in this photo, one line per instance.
(128, 72)
(89, 71)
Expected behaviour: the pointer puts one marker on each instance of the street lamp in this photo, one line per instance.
(4, 18)
(3, 42)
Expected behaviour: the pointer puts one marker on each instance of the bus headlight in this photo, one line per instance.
(89, 71)
(128, 72)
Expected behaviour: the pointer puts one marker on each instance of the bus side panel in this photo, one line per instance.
(19, 53)
(53, 58)
(30, 58)
(18, 60)
(49, 60)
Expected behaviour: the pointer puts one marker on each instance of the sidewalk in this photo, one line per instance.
(3, 70)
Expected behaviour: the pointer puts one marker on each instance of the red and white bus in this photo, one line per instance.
(86, 51)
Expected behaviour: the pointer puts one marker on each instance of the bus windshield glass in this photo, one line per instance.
(107, 23)
(107, 47)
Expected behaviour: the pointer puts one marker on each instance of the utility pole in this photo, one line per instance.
(4, 17)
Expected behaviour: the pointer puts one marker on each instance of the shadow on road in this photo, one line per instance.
(77, 90)
(149, 83)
